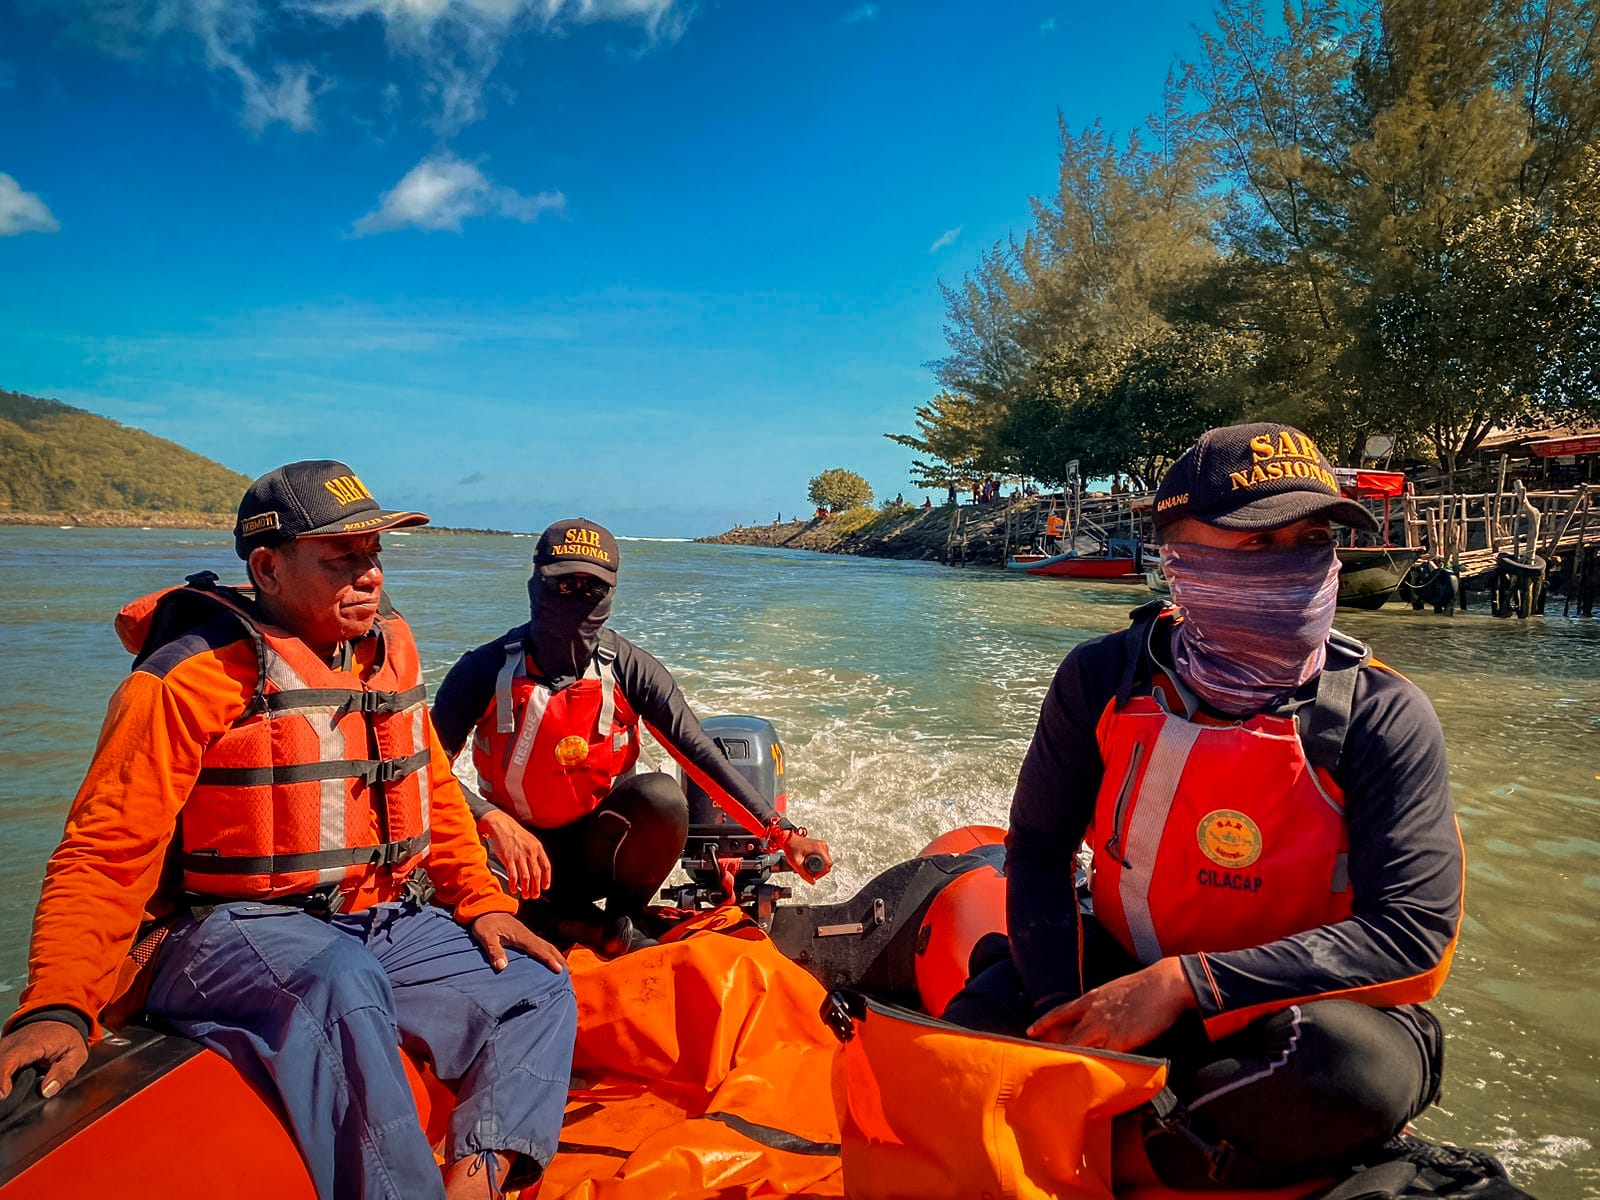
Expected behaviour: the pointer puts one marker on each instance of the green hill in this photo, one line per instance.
(56, 459)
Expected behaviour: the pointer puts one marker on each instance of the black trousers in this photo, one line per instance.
(621, 853)
(1296, 1094)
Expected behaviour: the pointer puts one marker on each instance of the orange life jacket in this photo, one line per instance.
(1217, 835)
(324, 777)
(549, 758)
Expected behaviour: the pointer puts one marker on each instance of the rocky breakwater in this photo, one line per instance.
(905, 533)
(101, 518)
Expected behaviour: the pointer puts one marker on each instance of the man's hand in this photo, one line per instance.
(801, 848)
(495, 931)
(55, 1047)
(527, 865)
(1123, 1014)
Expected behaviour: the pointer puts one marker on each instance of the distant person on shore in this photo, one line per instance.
(268, 814)
(927, 503)
(1277, 871)
(553, 709)
(952, 499)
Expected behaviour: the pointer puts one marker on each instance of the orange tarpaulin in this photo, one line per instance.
(703, 1069)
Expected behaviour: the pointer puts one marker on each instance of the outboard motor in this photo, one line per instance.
(751, 744)
(719, 853)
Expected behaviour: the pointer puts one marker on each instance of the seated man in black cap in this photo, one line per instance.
(1276, 871)
(268, 813)
(554, 707)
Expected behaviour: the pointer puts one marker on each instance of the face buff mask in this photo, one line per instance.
(1255, 622)
(566, 630)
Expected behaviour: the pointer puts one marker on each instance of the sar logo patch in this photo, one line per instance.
(1229, 838)
(572, 750)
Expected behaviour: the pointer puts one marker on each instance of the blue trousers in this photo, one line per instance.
(315, 1011)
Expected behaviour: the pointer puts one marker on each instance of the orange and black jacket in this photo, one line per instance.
(116, 865)
(1404, 851)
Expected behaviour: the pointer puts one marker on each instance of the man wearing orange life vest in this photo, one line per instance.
(1276, 871)
(553, 708)
(265, 793)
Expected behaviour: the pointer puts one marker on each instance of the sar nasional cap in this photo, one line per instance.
(1256, 476)
(577, 545)
(316, 498)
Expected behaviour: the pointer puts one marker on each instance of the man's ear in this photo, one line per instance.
(263, 563)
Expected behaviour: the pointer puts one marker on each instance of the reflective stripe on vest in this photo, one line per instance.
(1151, 806)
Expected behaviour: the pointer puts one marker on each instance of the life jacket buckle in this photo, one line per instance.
(323, 903)
(386, 770)
(391, 853)
(418, 889)
(374, 703)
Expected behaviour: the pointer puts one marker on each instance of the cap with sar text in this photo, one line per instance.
(577, 546)
(1256, 476)
(316, 498)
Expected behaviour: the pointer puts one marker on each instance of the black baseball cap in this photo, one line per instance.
(316, 498)
(577, 546)
(1256, 476)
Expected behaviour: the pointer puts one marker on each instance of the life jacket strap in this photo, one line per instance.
(1323, 731)
(1173, 1117)
(505, 713)
(345, 700)
(385, 854)
(369, 771)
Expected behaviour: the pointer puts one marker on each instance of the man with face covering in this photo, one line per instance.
(554, 708)
(1276, 871)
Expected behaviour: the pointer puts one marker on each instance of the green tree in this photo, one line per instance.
(838, 489)
(957, 441)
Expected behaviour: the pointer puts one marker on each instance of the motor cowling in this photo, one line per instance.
(751, 744)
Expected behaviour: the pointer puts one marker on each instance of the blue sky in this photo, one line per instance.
(655, 262)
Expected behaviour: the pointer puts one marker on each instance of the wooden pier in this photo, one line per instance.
(1512, 546)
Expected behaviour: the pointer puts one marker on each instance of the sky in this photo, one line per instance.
(654, 262)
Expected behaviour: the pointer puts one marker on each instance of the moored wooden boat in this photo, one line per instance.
(1098, 568)
(1368, 575)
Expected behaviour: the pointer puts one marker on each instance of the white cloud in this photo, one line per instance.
(442, 191)
(291, 100)
(455, 44)
(862, 12)
(22, 212)
(946, 238)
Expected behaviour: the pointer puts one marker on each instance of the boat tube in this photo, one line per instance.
(762, 1048)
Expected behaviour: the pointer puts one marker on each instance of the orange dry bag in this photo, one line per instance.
(931, 1110)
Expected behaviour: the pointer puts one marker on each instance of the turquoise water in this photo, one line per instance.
(906, 694)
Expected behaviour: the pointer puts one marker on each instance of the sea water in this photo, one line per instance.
(905, 694)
